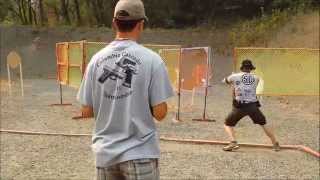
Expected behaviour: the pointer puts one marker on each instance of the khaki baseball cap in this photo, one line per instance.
(129, 10)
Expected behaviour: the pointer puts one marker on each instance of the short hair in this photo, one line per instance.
(246, 69)
(126, 25)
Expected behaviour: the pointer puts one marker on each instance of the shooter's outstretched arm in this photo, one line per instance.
(225, 80)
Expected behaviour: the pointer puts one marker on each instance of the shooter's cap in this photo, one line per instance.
(130, 10)
(247, 64)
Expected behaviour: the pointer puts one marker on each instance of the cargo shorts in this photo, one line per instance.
(252, 110)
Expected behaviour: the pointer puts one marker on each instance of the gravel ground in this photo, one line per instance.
(294, 119)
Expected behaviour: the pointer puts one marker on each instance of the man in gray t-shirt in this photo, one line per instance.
(124, 87)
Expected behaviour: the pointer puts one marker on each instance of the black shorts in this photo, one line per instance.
(252, 110)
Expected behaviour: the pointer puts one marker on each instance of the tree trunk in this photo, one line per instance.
(19, 11)
(77, 7)
(30, 16)
(41, 13)
(91, 14)
(34, 17)
(95, 10)
(64, 11)
(23, 11)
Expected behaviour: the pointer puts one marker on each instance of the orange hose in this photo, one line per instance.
(42, 133)
(193, 141)
(309, 150)
(290, 147)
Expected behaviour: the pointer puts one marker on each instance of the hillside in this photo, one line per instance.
(301, 31)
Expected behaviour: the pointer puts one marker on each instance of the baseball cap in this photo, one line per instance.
(247, 64)
(130, 10)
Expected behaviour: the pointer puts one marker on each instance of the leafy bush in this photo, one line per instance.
(258, 30)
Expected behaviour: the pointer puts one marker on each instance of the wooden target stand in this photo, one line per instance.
(60, 89)
(82, 68)
(13, 61)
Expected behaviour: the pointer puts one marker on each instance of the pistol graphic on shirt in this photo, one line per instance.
(113, 74)
(129, 69)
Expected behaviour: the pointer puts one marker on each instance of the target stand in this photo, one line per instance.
(61, 99)
(204, 117)
(177, 119)
(13, 61)
(206, 86)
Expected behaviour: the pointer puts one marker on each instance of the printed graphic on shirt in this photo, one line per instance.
(129, 69)
(245, 85)
(124, 68)
(247, 79)
(109, 73)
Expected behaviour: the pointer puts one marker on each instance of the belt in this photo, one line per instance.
(246, 102)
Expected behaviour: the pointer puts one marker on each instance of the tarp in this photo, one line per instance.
(75, 53)
(62, 62)
(194, 67)
(171, 58)
(75, 60)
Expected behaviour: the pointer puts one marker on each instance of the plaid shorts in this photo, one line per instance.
(138, 169)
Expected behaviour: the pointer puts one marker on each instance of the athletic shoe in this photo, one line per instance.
(232, 146)
(276, 147)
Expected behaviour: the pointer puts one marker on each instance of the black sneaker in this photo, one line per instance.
(276, 146)
(232, 146)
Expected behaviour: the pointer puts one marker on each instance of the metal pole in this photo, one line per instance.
(207, 85)
(205, 103)
(192, 98)
(9, 79)
(179, 87)
(21, 80)
(60, 87)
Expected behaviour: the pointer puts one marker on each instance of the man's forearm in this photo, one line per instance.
(159, 111)
(225, 80)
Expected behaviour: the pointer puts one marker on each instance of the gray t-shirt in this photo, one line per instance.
(121, 83)
(245, 85)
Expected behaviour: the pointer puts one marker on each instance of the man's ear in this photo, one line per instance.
(141, 25)
(114, 25)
